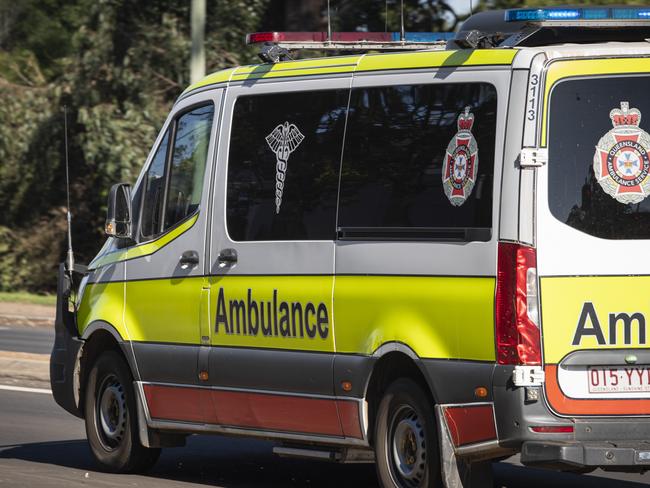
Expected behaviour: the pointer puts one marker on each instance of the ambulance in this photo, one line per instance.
(426, 253)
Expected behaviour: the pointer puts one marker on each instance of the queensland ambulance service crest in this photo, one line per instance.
(461, 161)
(621, 162)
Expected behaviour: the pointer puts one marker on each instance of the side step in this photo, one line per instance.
(345, 455)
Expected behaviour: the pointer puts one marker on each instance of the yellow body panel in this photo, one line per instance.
(370, 311)
(301, 290)
(437, 59)
(306, 67)
(103, 301)
(588, 67)
(215, 78)
(164, 310)
(566, 299)
(438, 317)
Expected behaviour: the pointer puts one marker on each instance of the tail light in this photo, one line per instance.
(516, 304)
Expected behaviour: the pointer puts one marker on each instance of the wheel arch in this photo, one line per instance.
(98, 337)
(393, 360)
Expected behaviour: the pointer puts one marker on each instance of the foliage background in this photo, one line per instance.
(118, 65)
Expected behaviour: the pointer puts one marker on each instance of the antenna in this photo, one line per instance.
(329, 23)
(386, 17)
(401, 32)
(471, 7)
(70, 256)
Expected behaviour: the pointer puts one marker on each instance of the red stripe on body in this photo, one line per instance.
(175, 403)
(470, 424)
(286, 413)
(277, 412)
(350, 421)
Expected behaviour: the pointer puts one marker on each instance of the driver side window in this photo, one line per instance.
(173, 183)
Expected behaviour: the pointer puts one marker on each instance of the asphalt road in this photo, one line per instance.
(26, 339)
(43, 446)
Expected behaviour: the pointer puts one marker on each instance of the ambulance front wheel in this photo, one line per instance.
(111, 417)
(406, 441)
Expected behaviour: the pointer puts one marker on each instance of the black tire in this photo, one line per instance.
(406, 439)
(110, 410)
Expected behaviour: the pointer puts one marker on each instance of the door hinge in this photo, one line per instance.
(533, 157)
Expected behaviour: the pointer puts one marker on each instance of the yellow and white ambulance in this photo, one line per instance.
(430, 258)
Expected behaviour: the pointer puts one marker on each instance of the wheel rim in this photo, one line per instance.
(110, 412)
(407, 447)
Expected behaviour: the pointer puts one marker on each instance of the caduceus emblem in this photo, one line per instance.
(283, 140)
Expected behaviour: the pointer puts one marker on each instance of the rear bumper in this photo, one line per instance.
(578, 454)
(610, 443)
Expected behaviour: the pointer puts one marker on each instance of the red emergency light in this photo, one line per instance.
(350, 39)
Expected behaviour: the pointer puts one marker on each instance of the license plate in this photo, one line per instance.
(635, 379)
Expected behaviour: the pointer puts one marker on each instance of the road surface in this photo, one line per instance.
(43, 446)
(36, 340)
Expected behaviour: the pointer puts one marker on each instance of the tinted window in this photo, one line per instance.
(598, 156)
(283, 165)
(397, 178)
(188, 164)
(154, 191)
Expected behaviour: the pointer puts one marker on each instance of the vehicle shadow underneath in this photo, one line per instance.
(206, 460)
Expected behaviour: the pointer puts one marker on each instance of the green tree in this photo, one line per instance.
(119, 69)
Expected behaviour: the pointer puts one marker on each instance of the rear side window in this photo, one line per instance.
(283, 165)
(418, 162)
(598, 156)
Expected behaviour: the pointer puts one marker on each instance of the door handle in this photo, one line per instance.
(227, 257)
(189, 258)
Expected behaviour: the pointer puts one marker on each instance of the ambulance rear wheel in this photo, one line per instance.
(111, 417)
(406, 441)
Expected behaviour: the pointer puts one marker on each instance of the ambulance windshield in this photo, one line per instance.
(599, 156)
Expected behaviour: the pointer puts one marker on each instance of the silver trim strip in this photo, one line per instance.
(480, 448)
(250, 390)
(239, 431)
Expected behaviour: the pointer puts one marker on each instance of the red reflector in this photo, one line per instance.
(553, 429)
(517, 335)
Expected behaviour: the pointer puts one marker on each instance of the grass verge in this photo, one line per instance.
(25, 297)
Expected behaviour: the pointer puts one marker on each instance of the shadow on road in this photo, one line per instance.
(208, 460)
(69, 454)
(231, 462)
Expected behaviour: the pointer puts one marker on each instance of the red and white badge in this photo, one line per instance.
(621, 162)
(461, 161)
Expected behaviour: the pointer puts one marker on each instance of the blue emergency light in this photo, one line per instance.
(569, 14)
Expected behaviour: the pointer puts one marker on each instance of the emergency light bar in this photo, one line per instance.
(352, 40)
(605, 14)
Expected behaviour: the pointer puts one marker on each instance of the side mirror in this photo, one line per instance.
(118, 213)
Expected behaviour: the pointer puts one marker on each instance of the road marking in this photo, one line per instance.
(25, 390)
(2, 327)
